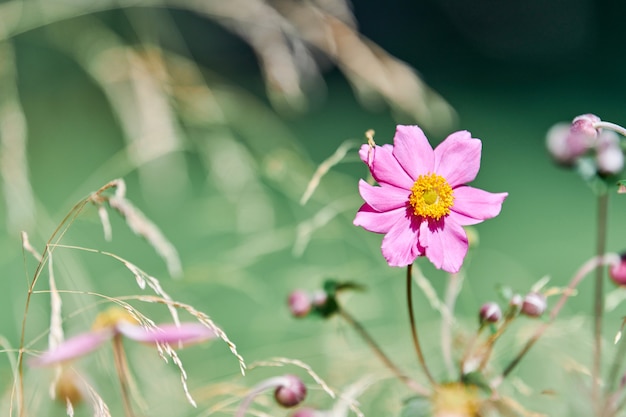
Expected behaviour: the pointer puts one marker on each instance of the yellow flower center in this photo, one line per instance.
(431, 196)
(111, 317)
(456, 400)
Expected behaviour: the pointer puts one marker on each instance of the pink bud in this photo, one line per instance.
(490, 312)
(319, 298)
(617, 271)
(299, 303)
(534, 304)
(291, 392)
(516, 301)
(609, 155)
(582, 135)
(556, 142)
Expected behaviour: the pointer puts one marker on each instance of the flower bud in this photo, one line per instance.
(490, 313)
(609, 155)
(534, 304)
(319, 298)
(299, 303)
(556, 142)
(291, 392)
(516, 301)
(617, 271)
(584, 125)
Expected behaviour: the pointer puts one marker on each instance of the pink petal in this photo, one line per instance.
(400, 245)
(166, 333)
(447, 245)
(412, 150)
(74, 347)
(366, 153)
(376, 221)
(457, 158)
(386, 169)
(477, 204)
(385, 197)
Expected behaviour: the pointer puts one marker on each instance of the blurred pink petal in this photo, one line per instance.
(166, 333)
(424, 216)
(74, 347)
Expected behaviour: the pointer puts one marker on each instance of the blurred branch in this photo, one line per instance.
(18, 193)
(283, 34)
(135, 86)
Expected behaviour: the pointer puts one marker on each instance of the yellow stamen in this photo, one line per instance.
(431, 196)
(111, 317)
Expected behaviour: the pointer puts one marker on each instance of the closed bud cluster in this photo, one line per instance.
(567, 143)
(291, 392)
(321, 303)
(534, 304)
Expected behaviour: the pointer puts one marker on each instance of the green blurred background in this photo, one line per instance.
(227, 194)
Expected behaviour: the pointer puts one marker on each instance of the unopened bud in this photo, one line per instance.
(490, 312)
(516, 301)
(617, 271)
(534, 304)
(584, 125)
(319, 298)
(299, 303)
(609, 155)
(556, 142)
(291, 392)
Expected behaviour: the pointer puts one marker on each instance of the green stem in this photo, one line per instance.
(416, 343)
(583, 271)
(598, 304)
(414, 385)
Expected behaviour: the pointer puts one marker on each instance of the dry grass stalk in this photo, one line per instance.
(287, 361)
(140, 225)
(141, 277)
(372, 71)
(202, 318)
(306, 228)
(18, 193)
(325, 166)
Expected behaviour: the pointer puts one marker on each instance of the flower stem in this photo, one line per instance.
(416, 343)
(610, 126)
(582, 272)
(414, 385)
(121, 366)
(262, 386)
(598, 304)
(455, 281)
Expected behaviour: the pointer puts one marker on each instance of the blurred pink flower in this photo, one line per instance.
(422, 202)
(116, 323)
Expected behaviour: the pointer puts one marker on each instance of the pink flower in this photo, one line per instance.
(115, 323)
(422, 202)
